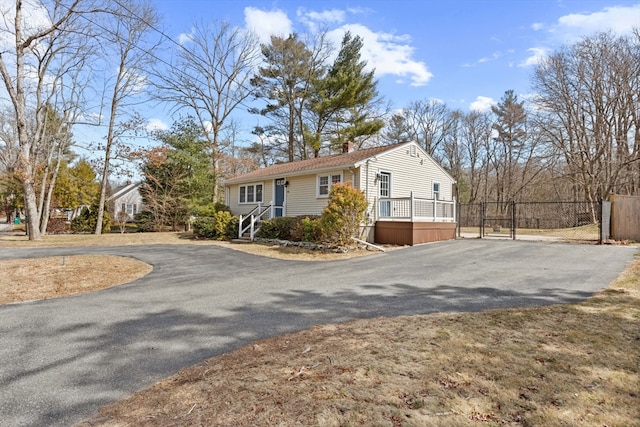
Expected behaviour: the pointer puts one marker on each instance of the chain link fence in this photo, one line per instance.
(578, 221)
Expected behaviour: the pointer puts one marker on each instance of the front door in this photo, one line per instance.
(280, 194)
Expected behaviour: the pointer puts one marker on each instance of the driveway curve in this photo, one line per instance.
(62, 359)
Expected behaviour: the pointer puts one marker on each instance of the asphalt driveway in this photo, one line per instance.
(62, 359)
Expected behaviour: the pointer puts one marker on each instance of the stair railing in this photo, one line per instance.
(248, 222)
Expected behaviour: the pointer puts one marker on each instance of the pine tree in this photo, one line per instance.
(342, 97)
(285, 83)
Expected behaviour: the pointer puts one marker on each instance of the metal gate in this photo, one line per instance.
(578, 221)
(498, 219)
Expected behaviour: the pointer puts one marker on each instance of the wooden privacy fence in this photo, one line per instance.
(625, 217)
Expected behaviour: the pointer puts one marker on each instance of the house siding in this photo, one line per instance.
(129, 195)
(406, 170)
(302, 196)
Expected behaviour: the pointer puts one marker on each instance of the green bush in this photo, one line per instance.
(210, 209)
(341, 218)
(204, 227)
(220, 226)
(86, 221)
(277, 228)
(232, 228)
(307, 229)
(145, 222)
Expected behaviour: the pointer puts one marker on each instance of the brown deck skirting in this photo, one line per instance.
(413, 233)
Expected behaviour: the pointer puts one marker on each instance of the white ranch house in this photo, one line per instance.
(126, 199)
(411, 197)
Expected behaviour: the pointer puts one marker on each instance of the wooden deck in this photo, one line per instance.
(413, 233)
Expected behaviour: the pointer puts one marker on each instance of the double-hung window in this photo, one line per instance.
(326, 181)
(129, 208)
(436, 190)
(250, 193)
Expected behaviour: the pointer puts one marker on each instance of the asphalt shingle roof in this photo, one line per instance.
(310, 165)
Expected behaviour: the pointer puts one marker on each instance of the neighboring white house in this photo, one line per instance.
(411, 197)
(125, 199)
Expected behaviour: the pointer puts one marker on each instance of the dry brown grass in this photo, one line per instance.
(53, 277)
(109, 239)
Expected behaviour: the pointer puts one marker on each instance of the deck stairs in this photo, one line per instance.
(249, 224)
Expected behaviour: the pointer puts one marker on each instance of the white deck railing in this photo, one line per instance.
(415, 209)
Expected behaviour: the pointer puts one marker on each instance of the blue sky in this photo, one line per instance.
(466, 53)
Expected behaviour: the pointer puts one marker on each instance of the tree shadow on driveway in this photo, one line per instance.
(93, 370)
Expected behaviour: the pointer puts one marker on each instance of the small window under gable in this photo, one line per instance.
(325, 182)
(436, 190)
(413, 151)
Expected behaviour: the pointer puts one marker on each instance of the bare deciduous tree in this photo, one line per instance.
(40, 68)
(128, 41)
(589, 96)
(475, 129)
(209, 80)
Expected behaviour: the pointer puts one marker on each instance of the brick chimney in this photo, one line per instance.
(347, 147)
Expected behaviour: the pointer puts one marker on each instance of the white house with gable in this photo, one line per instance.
(411, 196)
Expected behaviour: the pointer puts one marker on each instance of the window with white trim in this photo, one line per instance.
(250, 193)
(384, 184)
(129, 208)
(326, 181)
(436, 190)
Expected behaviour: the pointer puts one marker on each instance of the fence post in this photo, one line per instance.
(456, 217)
(605, 222)
(411, 202)
(481, 220)
(513, 219)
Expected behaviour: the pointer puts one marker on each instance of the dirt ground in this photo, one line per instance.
(575, 364)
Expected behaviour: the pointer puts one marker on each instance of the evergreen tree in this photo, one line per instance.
(177, 175)
(286, 84)
(341, 98)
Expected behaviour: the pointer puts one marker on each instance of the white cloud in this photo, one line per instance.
(387, 53)
(482, 104)
(156, 124)
(618, 19)
(330, 16)
(267, 23)
(315, 21)
(185, 38)
(537, 26)
(537, 54)
(493, 57)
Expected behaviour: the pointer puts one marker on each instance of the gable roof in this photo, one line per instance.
(303, 167)
(123, 190)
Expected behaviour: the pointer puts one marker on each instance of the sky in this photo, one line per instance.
(465, 53)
